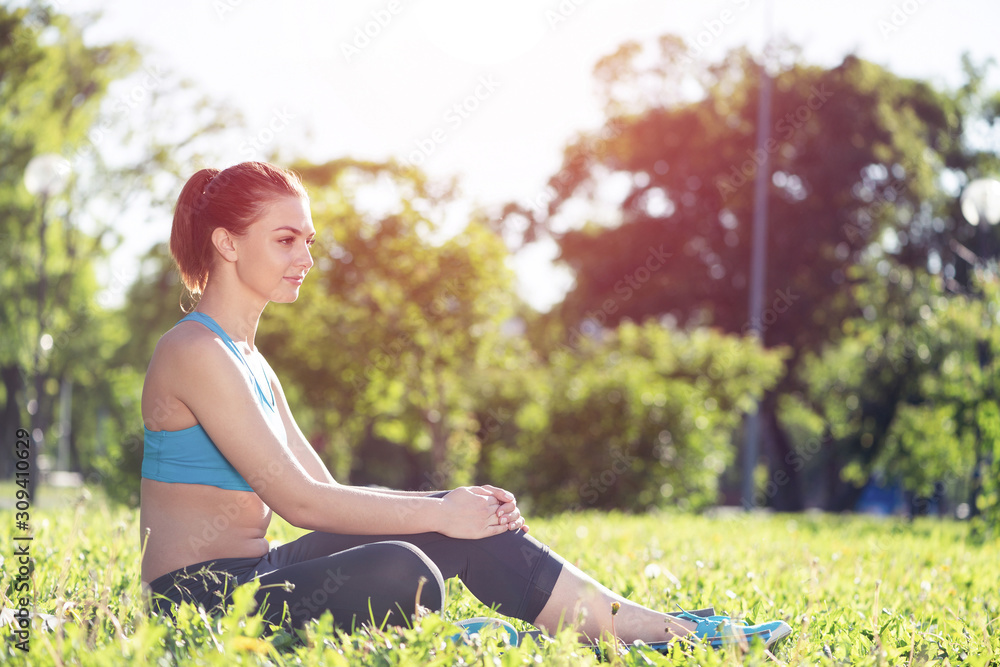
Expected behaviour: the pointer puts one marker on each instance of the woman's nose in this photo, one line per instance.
(306, 259)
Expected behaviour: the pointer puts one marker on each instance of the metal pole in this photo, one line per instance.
(980, 205)
(44, 175)
(758, 270)
(983, 354)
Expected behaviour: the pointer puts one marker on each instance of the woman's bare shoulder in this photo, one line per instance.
(186, 342)
(184, 358)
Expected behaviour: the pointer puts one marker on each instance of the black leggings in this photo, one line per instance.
(371, 578)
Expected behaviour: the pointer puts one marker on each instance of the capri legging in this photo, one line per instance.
(372, 578)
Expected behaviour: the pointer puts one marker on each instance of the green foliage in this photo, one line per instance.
(857, 155)
(64, 95)
(642, 417)
(848, 150)
(855, 590)
(988, 500)
(52, 84)
(57, 94)
(910, 391)
(392, 326)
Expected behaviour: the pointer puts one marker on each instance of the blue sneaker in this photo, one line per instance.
(693, 614)
(778, 630)
(699, 615)
(472, 626)
(719, 633)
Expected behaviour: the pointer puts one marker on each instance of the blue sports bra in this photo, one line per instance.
(189, 456)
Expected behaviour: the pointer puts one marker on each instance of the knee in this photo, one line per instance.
(411, 570)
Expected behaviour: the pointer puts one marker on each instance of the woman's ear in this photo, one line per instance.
(223, 242)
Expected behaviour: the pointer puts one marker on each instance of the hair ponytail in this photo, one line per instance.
(232, 199)
(190, 236)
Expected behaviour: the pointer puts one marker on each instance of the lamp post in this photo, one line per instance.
(980, 203)
(758, 260)
(46, 175)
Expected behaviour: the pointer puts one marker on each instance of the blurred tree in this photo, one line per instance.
(653, 212)
(905, 391)
(870, 388)
(52, 85)
(117, 126)
(640, 417)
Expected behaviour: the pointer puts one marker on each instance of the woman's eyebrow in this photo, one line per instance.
(294, 230)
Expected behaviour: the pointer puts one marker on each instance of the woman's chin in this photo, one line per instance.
(285, 296)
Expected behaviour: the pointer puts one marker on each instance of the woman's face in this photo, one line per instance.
(274, 256)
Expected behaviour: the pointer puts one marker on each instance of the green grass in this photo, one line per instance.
(855, 590)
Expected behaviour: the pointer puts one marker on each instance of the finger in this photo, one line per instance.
(496, 529)
(498, 492)
(518, 523)
(485, 492)
(507, 508)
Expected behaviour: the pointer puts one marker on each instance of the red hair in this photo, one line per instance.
(231, 198)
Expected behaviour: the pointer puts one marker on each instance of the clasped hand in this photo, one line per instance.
(481, 511)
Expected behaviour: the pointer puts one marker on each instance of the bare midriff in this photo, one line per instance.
(183, 524)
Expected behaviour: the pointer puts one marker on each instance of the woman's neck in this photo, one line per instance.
(237, 317)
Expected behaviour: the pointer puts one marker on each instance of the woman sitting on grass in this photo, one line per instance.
(222, 451)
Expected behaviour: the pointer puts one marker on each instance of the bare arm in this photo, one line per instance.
(507, 511)
(212, 385)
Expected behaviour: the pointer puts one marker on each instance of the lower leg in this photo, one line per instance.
(580, 602)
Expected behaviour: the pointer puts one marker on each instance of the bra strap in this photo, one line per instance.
(207, 321)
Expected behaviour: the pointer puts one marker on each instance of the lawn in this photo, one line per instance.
(856, 590)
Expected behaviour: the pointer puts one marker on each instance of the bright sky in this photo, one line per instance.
(380, 78)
